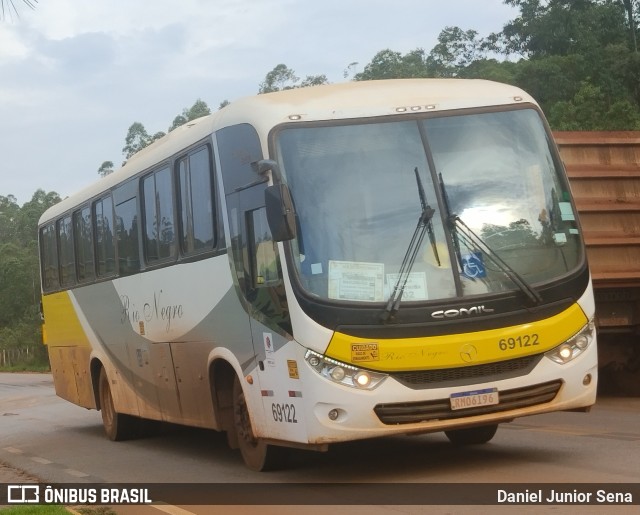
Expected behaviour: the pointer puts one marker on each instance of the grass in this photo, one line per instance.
(35, 510)
(26, 367)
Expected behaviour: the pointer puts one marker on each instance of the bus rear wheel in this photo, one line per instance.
(472, 435)
(256, 453)
(117, 426)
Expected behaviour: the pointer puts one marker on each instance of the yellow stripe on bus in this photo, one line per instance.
(456, 350)
(62, 323)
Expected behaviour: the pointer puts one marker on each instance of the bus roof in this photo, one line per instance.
(328, 102)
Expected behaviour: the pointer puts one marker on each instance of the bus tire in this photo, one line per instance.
(117, 426)
(256, 453)
(472, 435)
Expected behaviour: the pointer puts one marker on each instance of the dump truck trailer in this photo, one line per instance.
(604, 171)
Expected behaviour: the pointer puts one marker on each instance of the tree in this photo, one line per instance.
(456, 49)
(314, 80)
(590, 109)
(9, 211)
(137, 139)
(105, 168)
(561, 27)
(579, 61)
(388, 64)
(197, 110)
(282, 78)
(629, 8)
(19, 273)
(30, 213)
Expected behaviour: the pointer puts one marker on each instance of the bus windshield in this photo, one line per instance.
(357, 202)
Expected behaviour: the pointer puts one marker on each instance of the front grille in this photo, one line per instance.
(415, 412)
(468, 375)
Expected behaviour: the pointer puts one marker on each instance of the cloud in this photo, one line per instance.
(75, 74)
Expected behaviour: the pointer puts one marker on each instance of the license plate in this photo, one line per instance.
(474, 399)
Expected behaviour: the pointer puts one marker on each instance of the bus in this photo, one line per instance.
(327, 264)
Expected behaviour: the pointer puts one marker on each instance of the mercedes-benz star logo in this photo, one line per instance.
(468, 353)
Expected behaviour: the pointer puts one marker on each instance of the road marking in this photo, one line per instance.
(42, 461)
(171, 510)
(76, 473)
(13, 450)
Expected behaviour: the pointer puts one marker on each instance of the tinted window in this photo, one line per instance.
(159, 237)
(239, 146)
(49, 258)
(105, 250)
(196, 202)
(83, 244)
(127, 235)
(265, 265)
(65, 246)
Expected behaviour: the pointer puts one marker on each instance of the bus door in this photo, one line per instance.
(257, 265)
(265, 296)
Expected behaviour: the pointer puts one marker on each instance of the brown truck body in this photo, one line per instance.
(604, 172)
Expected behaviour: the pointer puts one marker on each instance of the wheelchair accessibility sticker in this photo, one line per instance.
(473, 266)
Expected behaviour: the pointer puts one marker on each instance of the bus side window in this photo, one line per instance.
(83, 244)
(264, 262)
(65, 250)
(103, 230)
(127, 237)
(267, 293)
(196, 202)
(49, 258)
(158, 225)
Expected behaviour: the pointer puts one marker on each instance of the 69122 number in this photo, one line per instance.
(519, 342)
(283, 412)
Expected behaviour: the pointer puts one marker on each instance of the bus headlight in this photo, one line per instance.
(344, 374)
(574, 346)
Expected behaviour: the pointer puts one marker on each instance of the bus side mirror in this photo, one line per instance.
(281, 215)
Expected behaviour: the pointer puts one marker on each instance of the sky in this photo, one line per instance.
(75, 74)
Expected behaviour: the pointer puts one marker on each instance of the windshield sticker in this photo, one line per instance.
(473, 265)
(566, 211)
(350, 280)
(415, 289)
(560, 238)
(316, 268)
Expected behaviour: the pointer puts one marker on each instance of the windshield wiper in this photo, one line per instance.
(425, 225)
(461, 231)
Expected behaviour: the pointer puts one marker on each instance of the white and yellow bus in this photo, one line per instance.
(328, 264)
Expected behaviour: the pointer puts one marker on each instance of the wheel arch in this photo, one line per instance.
(222, 372)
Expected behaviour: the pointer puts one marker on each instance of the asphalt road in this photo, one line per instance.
(53, 441)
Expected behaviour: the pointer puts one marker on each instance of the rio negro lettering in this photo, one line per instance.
(156, 309)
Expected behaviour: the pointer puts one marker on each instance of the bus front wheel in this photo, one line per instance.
(256, 453)
(472, 435)
(118, 426)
